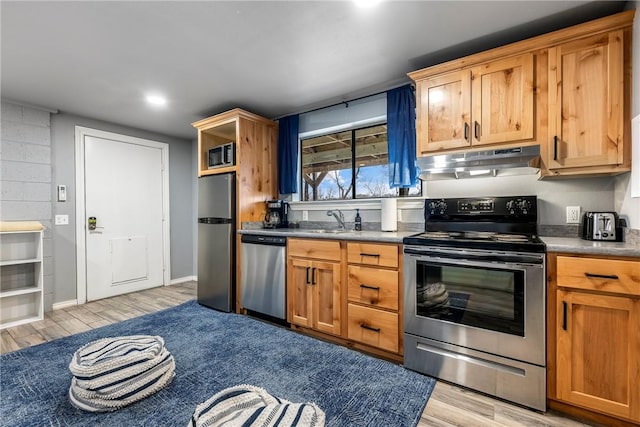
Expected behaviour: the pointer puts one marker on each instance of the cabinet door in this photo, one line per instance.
(586, 84)
(597, 356)
(300, 292)
(325, 279)
(503, 101)
(444, 110)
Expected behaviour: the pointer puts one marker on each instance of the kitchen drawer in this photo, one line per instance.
(607, 275)
(376, 328)
(373, 286)
(373, 254)
(314, 248)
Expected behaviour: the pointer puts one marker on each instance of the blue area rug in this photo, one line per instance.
(214, 351)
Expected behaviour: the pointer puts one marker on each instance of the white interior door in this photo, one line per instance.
(124, 181)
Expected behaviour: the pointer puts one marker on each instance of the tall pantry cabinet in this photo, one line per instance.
(254, 139)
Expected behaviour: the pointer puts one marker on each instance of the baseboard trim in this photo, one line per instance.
(183, 279)
(64, 304)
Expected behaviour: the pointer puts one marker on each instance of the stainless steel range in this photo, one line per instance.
(474, 297)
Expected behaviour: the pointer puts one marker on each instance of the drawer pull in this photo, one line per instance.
(308, 281)
(564, 315)
(313, 276)
(601, 276)
(375, 288)
(369, 328)
(371, 255)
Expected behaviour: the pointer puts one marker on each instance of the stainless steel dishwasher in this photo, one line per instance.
(263, 274)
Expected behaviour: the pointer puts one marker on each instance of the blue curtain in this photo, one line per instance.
(401, 137)
(288, 154)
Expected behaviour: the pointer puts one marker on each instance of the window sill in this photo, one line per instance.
(403, 203)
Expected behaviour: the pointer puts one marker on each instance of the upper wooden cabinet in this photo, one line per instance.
(587, 104)
(254, 138)
(568, 91)
(486, 104)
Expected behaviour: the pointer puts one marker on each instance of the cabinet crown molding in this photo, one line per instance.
(609, 23)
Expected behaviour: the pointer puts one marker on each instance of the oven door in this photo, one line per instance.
(488, 301)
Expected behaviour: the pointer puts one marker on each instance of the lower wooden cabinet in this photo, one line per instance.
(598, 352)
(374, 297)
(347, 290)
(314, 292)
(596, 364)
(376, 328)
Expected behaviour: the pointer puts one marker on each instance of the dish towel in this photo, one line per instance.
(247, 405)
(114, 372)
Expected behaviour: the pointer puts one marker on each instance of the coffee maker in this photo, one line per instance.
(277, 215)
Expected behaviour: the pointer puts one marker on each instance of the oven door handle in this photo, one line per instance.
(450, 255)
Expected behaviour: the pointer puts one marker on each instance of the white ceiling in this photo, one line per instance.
(99, 58)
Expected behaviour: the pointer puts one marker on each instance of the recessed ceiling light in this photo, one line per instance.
(366, 3)
(157, 100)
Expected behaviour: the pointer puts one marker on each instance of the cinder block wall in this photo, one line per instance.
(25, 175)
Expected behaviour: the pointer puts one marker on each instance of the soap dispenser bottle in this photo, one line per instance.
(358, 221)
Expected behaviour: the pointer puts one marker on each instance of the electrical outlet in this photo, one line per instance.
(305, 215)
(573, 214)
(62, 219)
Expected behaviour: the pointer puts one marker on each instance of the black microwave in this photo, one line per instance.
(222, 155)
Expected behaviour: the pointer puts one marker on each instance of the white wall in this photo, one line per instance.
(591, 194)
(181, 195)
(25, 173)
(624, 203)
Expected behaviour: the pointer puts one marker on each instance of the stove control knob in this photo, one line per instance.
(437, 208)
(512, 207)
(525, 206)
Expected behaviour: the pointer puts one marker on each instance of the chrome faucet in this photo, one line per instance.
(338, 216)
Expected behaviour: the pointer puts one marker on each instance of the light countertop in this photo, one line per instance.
(367, 236)
(554, 244)
(579, 246)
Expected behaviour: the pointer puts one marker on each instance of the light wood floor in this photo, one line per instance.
(449, 405)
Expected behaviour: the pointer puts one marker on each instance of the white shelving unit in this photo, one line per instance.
(21, 277)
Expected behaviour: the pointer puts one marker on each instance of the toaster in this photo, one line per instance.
(601, 226)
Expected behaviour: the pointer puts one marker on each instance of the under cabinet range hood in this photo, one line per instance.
(499, 162)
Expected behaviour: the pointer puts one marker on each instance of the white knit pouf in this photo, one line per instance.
(247, 405)
(114, 372)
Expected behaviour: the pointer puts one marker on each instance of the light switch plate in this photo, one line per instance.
(305, 215)
(62, 193)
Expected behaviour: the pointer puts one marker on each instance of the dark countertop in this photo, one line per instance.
(365, 236)
(576, 245)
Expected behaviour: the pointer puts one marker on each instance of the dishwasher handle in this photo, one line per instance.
(259, 239)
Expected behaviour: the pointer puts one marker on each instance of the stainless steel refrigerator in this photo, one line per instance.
(216, 241)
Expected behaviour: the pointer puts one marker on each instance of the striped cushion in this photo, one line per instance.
(114, 372)
(247, 405)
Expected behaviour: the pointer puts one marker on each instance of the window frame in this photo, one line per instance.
(353, 128)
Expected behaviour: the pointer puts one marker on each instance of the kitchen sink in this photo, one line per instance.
(332, 231)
